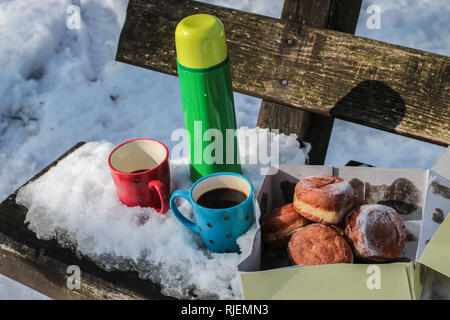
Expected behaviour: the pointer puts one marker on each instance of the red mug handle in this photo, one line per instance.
(163, 196)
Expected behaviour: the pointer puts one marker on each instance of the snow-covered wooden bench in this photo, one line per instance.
(43, 265)
(307, 73)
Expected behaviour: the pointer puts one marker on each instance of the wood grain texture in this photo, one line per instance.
(340, 15)
(331, 73)
(42, 264)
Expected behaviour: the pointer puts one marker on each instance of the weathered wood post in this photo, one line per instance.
(339, 15)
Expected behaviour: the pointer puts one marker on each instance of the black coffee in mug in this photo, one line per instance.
(221, 198)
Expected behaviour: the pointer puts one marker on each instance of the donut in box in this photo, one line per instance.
(318, 244)
(323, 199)
(278, 225)
(376, 232)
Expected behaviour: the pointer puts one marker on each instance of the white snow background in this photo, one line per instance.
(61, 86)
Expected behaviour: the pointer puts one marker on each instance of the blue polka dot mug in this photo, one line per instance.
(218, 227)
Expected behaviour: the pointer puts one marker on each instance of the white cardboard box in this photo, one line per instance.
(420, 196)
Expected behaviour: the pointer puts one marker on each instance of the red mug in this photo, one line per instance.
(140, 171)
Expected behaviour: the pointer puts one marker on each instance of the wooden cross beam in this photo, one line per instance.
(326, 72)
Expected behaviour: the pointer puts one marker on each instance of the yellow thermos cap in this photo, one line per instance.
(200, 41)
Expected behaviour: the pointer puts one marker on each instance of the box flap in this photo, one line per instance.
(337, 281)
(253, 261)
(437, 206)
(442, 167)
(434, 243)
(302, 171)
(437, 253)
(416, 276)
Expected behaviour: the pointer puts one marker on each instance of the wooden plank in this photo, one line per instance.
(381, 85)
(339, 15)
(42, 264)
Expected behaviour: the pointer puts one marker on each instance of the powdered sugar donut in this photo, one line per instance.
(377, 232)
(324, 199)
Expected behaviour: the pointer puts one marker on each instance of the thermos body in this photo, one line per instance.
(207, 96)
(207, 99)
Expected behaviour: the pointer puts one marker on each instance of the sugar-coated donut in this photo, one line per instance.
(278, 225)
(324, 199)
(377, 232)
(318, 244)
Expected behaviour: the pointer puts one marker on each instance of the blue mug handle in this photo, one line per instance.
(186, 222)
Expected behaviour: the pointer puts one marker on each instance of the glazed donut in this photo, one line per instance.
(318, 244)
(278, 225)
(376, 232)
(323, 199)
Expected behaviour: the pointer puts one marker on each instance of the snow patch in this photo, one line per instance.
(76, 203)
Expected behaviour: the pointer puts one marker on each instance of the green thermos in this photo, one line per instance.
(206, 95)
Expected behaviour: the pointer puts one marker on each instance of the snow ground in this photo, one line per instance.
(61, 86)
